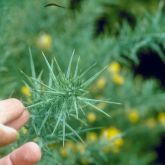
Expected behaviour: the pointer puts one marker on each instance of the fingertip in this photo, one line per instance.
(35, 151)
(10, 109)
(17, 104)
(29, 152)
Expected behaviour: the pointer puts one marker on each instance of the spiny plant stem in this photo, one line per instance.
(61, 100)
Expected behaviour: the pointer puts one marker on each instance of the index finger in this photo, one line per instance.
(10, 110)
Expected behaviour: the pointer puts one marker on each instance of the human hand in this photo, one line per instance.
(13, 116)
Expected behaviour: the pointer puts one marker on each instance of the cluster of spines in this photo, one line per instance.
(66, 89)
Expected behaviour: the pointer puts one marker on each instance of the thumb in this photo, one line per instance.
(28, 154)
(7, 135)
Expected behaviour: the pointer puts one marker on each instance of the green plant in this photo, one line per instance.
(27, 23)
(60, 100)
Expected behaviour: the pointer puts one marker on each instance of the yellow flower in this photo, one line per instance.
(117, 79)
(133, 116)
(112, 134)
(91, 117)
(118, 142)
(91, 136)
(114, 68)
(63, 151)
(100, 83)
(71, 146)
(25, 90)
(161, 118)
(151, 122)
(44, 41)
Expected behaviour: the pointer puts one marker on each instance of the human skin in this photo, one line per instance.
(13, 115)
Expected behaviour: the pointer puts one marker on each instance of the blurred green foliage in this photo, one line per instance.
(108, 32)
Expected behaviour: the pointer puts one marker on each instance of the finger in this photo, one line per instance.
(18, 123)
(7, 135)
(10, 109)
(28, 154)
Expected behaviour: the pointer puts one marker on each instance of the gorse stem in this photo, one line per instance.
(57, 103)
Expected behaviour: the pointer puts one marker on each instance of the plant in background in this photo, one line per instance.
(125, 51)
(60, 101)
